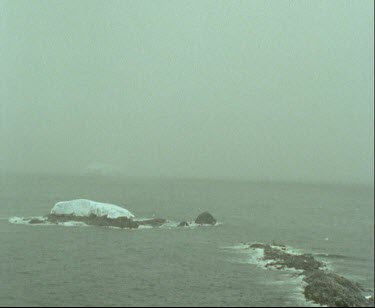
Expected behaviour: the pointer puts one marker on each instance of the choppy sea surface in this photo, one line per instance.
(44, 265)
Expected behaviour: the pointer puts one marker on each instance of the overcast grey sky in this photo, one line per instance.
(264, 90)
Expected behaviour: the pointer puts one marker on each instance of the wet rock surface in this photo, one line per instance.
(333, 290)
(304, 262)
(323, 287)
(205, 218)
(110, 221)
(34, 221)
(104, 221)
(370, 301)
(119, 222)
(183, 224)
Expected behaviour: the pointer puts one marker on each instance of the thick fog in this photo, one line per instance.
(259, 90)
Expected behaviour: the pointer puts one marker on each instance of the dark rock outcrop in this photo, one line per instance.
(104, 221)
(282, 259)
(333, 290)
(303, 262)
(34, 221)
(205, 218)
(258, 246)
(323, 287)
(183, 224)
(370, 301)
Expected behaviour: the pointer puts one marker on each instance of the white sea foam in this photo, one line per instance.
(287, 249)
(145, 227)
(256, 256)
(170, 224)
(25, 221)
(84, 207)
(249, 255)
(293, 277)
(18, 220)
(73, 224)
(192, 224)
(296, 292)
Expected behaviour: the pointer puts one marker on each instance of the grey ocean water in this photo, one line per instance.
(93, 266)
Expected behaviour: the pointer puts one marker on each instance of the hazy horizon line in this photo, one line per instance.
(190, 178)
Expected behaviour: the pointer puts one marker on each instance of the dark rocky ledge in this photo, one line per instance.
(103, 221)
(322, 287)
(120, 222)
(34, 221)
(205, 219)
(183, 224)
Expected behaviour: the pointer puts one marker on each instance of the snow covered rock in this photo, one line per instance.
(85, 208)
(93, 213)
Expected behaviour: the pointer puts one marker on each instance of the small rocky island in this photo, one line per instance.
(323, 287)
(94, 213)
(205, 219)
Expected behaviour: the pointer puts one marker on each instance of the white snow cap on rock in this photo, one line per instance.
(83, 207)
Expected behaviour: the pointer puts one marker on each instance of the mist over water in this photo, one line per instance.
(211, 89)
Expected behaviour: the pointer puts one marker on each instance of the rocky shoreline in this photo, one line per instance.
(118, 222)
(323, 287)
